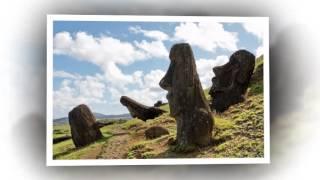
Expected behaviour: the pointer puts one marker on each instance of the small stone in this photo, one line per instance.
(155, 132)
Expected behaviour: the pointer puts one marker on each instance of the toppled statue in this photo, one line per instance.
(187, 101)
(139, 110)
(231, 80)
(84, 129)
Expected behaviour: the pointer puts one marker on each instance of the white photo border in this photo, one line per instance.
(176, 161)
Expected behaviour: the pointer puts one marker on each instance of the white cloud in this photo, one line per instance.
(153, 34)
(96, 50)
(72, 92)
(62, 42)
(64, 74)
(206, 35)
(259, 51)
(107, 53)
(152, 79)
(204, 69)
(150, 92)
(255, 28)
(153, 48)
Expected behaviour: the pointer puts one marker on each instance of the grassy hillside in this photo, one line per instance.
(238, 132)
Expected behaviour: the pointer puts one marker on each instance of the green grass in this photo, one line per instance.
(259, 61)
(67, 150)
(132, 123)
(165, 107)
(206, 94)
(62, 148)
(61, 130)
(76, 153)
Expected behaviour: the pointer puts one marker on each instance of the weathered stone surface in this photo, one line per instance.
(186, 98)
(231, 80)
(84, 129)
(139, 110)
(155, 132)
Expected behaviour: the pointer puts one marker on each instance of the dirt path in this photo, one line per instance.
(117, 147)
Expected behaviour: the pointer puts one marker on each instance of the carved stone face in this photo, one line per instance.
(181, 80)
(186, 98)
(231, 80)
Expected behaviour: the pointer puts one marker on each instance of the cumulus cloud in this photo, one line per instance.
(96, 50)
(255, 28)
(153, 48)
(72, 92)
(149, 90)
(206, 35)
(107, 53)
(204, 69)
(153, 34)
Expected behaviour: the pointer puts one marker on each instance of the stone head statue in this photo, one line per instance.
(186, 98)
(139, 110)
(231, 80)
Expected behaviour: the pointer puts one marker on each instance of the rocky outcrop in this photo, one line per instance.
(139, 110)
(231, 80)
(155, 132)
(84, 129)
(186, 98)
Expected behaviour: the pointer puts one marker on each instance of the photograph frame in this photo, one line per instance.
(176, 161)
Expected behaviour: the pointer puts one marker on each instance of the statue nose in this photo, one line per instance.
(164, 84)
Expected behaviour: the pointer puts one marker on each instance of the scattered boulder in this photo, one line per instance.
(186, 98)
(231, 80)
(84, 129)
(158, 104)
(139, 110)
(155, 132)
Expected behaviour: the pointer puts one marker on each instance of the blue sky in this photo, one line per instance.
(97, 62)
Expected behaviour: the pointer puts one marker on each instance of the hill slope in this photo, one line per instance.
(238, 132)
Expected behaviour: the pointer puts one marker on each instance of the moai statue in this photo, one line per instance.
(84, 129)
(187, 101)
(231, 80)
(139, 110)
